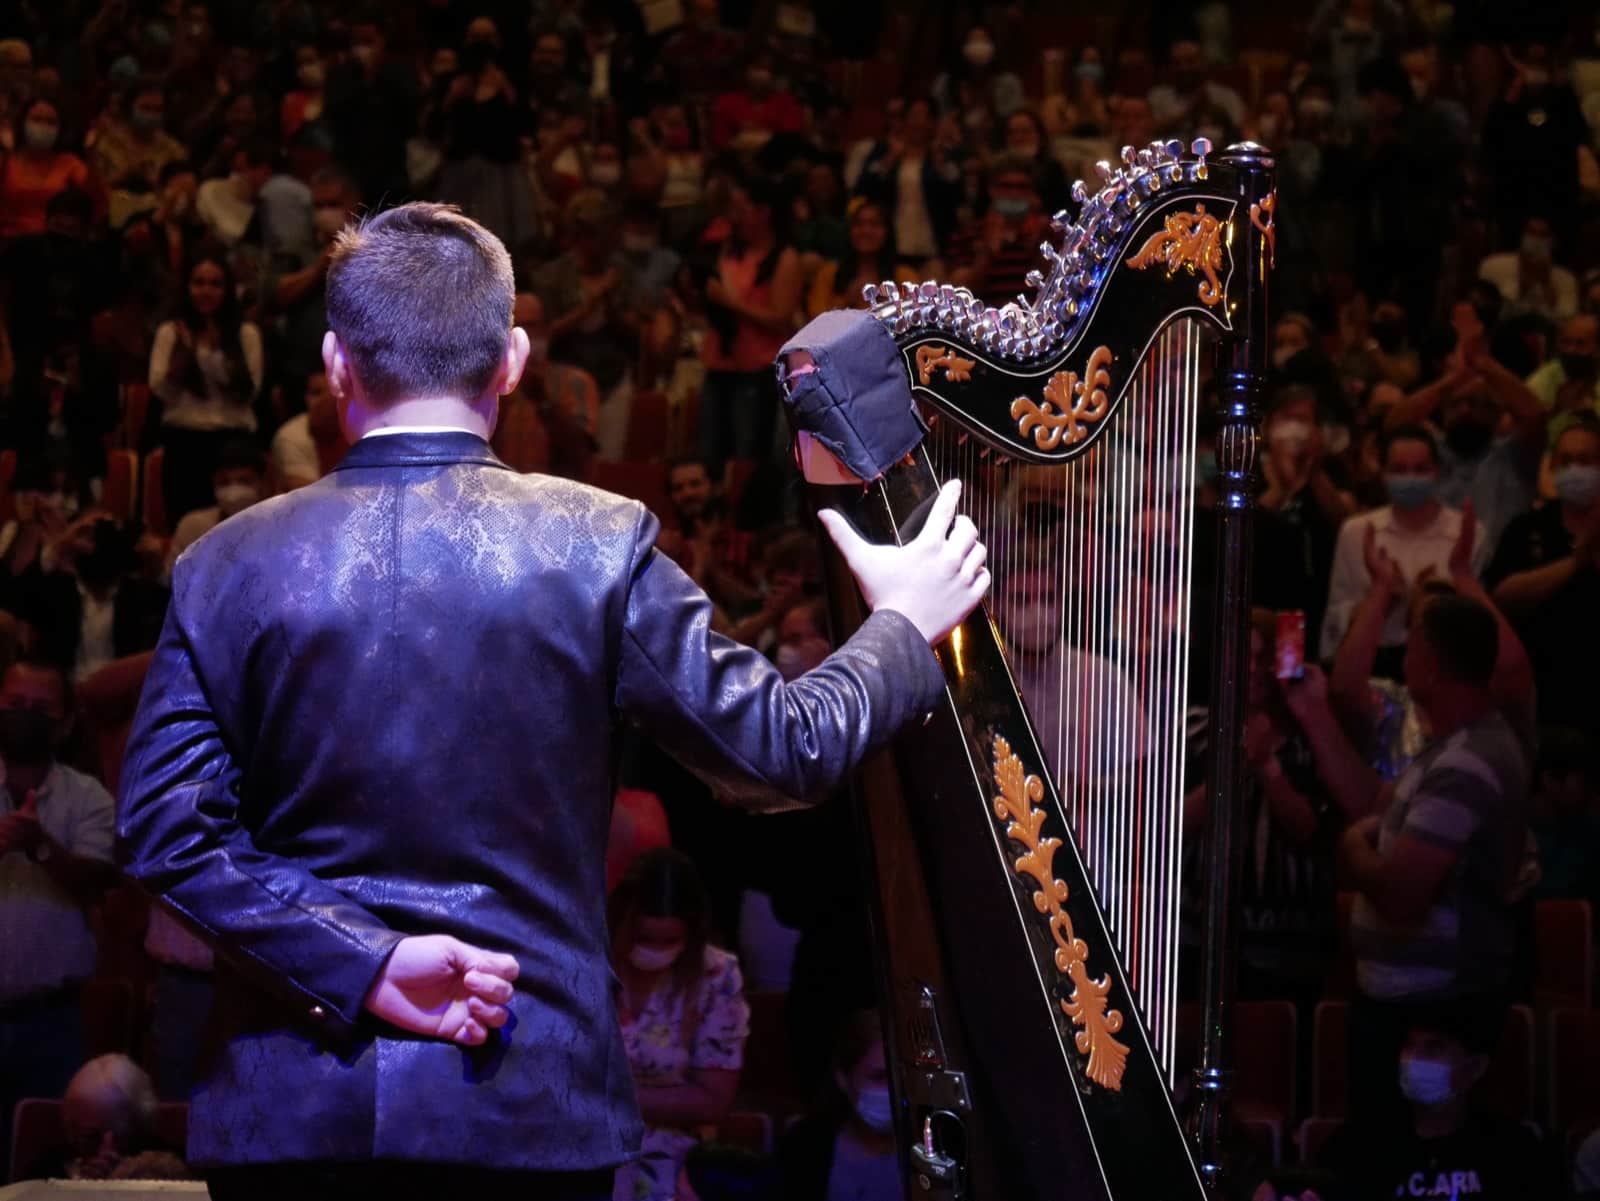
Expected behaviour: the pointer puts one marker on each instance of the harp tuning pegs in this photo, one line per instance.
(1033, 279)
(869, 294)
(1080, 192)
(1130, 156)
(1174, 148)
(1105, 171)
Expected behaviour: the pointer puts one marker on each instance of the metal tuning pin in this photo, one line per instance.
(1201, 148)
(1080, 192)
(1105, 171)
(870, 295)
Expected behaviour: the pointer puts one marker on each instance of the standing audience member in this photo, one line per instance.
(55, 860)
(206, 369)
(871, 259)
(35, 170)
(683, 1012)
(1415, 529)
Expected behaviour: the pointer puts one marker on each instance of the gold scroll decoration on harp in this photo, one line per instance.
(1088, 1006)
(932, 358)
(1264, 217)
(1070, 404)
(1191, 242)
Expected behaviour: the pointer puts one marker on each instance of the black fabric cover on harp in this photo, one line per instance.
(1025, 840)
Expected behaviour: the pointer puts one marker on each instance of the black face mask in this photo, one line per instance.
(1469, 439)
(1578, 366)
(27, 736)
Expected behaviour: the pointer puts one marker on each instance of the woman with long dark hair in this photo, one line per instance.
(206, 369)
(683, 1013)
(757, 288)
(872, 258)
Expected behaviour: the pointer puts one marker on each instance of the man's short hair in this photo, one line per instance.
(1464, 637)
(420, 297)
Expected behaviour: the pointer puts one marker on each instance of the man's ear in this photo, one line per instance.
(336, 365)
(514, 362)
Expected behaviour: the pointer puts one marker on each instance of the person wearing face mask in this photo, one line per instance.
(993, 254)
(1415, 528)
(55, 861)
(238, 482)
(132, 147)
(1190, 98)
(1546, 575)
(745, 118)
(38, 168)
(1450, 1142)
(683, 1015)
(848, 1150)
(1529, 278)
(974, 91)
(1470, 405)
(1026, 138)
(372, 105)
(1530, 139)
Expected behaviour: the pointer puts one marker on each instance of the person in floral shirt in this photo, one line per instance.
(683, 1013)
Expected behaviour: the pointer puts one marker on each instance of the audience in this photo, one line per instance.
(110, 1113)
(849, 1151)
(681, 187)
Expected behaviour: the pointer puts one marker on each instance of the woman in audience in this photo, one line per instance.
(849, 1152)
(871, 259)
(683, 1012)
(915, 175)
(205, 368)
(35, 170)
(1026, 136)
(757, 290)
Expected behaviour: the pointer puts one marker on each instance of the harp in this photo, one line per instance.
(1024, 841)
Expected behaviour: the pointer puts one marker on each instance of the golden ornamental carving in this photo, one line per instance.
(932, 358)
(1191, 241)
(1070, 404)
(1088, 1006)
(1264, 217)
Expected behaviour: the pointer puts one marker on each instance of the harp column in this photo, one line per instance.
(1241, 372)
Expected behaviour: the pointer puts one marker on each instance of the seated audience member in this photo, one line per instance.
(110, 1114)
(1546, 576)
(871, 259)
(521, 436)
(1380, 714)
(683, 1013)
(713, 1172)
(788, 571)
(1415, 529)
(130, 150)
(206, 369)
(850, 1151)
(55, 861)
(1565, 817)
(93, 607)
(650, 267)
(36, 170)
(294, 284)
(238, 482)
(1448, 1145)
(310, 444)
(703, 540)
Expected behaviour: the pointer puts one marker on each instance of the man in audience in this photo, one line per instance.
(55, 860)
(995, 251)
(110, 1113)
(1546, 576)
(1570, 381)
(238, 482)
(706, 544)
(227, 205)
(1450, 1144)
(1416, 529)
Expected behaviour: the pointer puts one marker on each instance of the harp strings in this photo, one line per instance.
(1091, 565)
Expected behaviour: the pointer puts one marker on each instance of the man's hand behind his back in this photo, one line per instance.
(443, 988)
(933, 581)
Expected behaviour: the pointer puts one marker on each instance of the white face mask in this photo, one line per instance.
(654, 959)
(1426, 1081)
(874, 1108)
(233, 498)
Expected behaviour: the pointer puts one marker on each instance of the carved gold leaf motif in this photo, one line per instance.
(1264, 217)
(1070, 404)
(1192, 242)
(1088, 1006)
(931, 358)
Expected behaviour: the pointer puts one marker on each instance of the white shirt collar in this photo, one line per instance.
(419, 429)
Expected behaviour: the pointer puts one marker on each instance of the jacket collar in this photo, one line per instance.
(420, 450)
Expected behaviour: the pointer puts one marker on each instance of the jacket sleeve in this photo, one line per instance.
(727, 713)
(181, 836)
